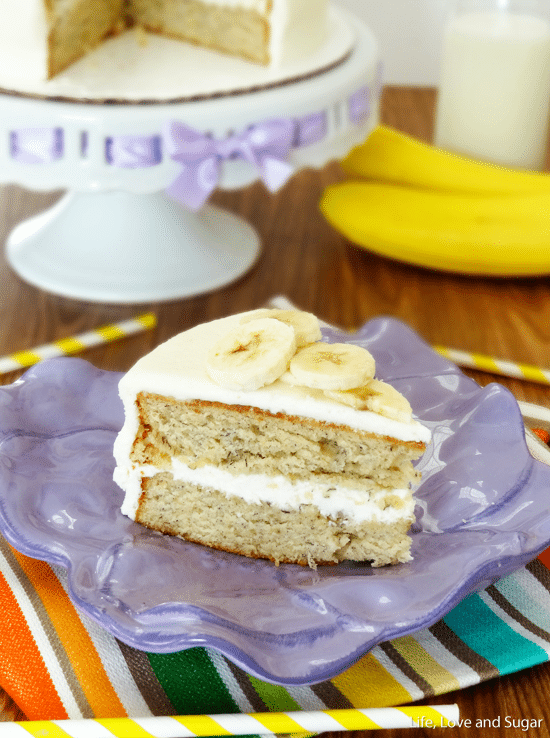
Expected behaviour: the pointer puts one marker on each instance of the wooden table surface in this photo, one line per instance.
(306, 260)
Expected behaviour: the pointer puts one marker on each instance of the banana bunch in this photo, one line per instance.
(411, 201)
(269, 345)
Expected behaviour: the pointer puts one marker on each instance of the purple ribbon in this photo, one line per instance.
(359, 105)
(132, 152)
(311, 128)
(265, 145)
(36, 145)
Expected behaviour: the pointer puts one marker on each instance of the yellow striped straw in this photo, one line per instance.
(80, 342)
(495, 366)
(263, 723)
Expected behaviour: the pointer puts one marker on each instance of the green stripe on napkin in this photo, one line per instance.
(192, 683)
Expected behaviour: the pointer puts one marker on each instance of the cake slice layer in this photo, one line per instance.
(247, 439)
(262, 530)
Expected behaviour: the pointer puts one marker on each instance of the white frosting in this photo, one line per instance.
(331, 500)
(298, 29)
(23, 41)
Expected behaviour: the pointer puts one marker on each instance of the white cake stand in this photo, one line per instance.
(116, 236)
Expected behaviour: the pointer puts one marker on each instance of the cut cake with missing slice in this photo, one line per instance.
(253, 435)
(39, 39)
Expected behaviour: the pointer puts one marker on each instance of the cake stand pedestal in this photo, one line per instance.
(116, 246)
(117, 236)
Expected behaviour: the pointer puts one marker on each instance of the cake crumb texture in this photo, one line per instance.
(228, 29)
(77, 28)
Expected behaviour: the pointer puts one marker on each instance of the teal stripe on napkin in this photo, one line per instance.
(484, 632)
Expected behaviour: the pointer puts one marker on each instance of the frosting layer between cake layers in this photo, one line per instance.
(332, 500)
(177, 369)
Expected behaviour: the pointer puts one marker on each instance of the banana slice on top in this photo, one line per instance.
(378, 397)
(306, 325)
(251, 355)
(332, 366)
(386, 400)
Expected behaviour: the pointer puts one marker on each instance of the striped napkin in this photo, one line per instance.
(56, 663)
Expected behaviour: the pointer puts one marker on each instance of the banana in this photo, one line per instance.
(306, 325)
(252, 355)
(494, 236)
(337, 366)
(393, 157)
(376, 396)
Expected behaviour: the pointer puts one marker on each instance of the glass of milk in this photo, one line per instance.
(494, 92)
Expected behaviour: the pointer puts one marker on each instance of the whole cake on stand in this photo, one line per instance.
(144, 128)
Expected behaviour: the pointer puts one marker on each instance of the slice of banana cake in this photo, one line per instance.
(253, 435)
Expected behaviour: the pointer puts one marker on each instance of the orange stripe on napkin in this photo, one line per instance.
(74, 637)
(23, 672)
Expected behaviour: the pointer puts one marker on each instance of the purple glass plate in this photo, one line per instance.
(482, 511)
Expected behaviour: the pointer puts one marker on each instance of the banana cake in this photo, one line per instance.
(39, 39)
(255, 435)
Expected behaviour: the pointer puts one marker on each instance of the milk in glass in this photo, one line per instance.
(495, 86)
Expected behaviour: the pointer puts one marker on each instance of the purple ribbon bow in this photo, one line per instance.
(265, 145)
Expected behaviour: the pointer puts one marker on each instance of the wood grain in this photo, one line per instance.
(306, 260)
